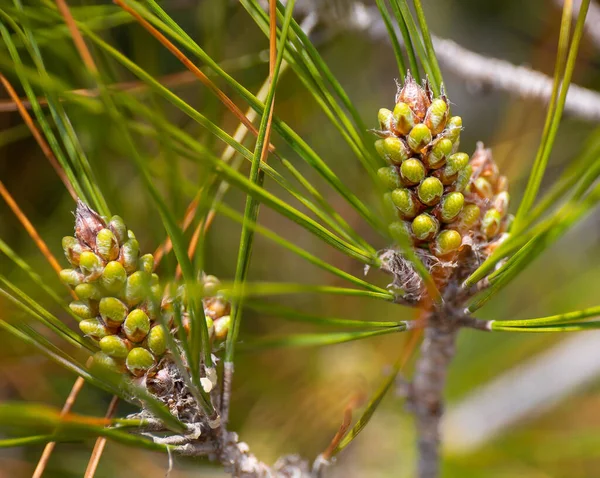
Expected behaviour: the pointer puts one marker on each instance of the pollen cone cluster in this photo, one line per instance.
(438, 195)
(119, 298)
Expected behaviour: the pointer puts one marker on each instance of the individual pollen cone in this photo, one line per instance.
(443, 199)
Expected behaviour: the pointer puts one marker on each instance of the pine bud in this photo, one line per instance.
(463, 178)
(483, 188)
(117, 226)
(400, 229)
(136, 325)
(137, 288)
(88, 291)
(222, 326)
(91, 265)
(113, 311)
(72, 249)
(146, 263)
(437, 115)
(446, 242)
(385, 118)
(451, 206)
(210, 325)
(94, 328)
(425, 227)
(129, 254)
(405, 202)
(114, 346)
(81, 309)
(414, 96)
(500, 203)
(490, 224)
(107, 245)
(210, 286)
(87, 224)
(139, 361)
(113, 277)
(455, 163)
(71, 277)
(436, 157)
(104, 361)
(389, 177)
(157, 341)
(430, 191)
(419, 137)
(412, 172)
(395, 149)
(381, 150)
(468, 217)
(404, 118)
(453, 128)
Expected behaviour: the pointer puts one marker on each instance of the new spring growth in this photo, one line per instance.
(120, 299)
(437, 194)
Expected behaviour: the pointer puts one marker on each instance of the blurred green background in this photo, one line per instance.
(292, 400)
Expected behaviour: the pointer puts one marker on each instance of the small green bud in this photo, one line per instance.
(107, 245)
(389, 177)
(117, 226)
(385, 118)
(71, 277)
(490, 224)
(129, 254)
(463, 178)
(425, 227)
(81, 309)
(500, 202)
(93, 328)
(405, 202)
(211, 286)
(113, 311)
(483, 188)
(114, 346)
(446, 242)
(72, 249)
(380, 149)
(157, 341)
(147, 263)
(400, 229)
(430, 191)
(412, 171)
(222, 325)
(104, 361)
(451, 206)
(453, 128)
(455, 163)
(437, 155)
(396, 149)
(437, 115)
(139, 361)
(467, 218)
(90, 264)
(136, 325)
(88, 291)
(137, 288)
(113, 277)
(404, 118)
(419, 137)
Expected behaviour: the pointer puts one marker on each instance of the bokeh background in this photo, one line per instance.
(520, 405)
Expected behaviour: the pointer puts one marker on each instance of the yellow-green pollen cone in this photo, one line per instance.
(436, 193)
(120, 301)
